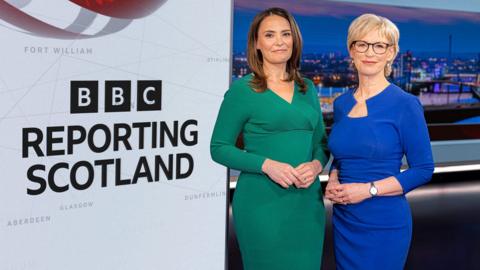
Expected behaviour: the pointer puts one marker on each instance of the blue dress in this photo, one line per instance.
(376, 233)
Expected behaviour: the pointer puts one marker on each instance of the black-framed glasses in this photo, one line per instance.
(378, 47)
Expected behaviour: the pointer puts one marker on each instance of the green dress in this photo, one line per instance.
(276, 228)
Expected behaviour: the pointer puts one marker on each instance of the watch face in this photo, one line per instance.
(373, 190)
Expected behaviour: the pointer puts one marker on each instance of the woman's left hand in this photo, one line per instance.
(309, 172)
(353, 192)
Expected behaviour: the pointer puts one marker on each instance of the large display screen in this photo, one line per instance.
(439, 59)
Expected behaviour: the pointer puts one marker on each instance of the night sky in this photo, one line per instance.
(324, 26)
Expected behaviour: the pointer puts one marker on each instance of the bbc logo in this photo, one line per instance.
(84, 96)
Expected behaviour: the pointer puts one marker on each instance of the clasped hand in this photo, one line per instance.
(346, 193)
(285, 175)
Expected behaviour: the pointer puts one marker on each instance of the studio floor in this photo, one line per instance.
(446, 226)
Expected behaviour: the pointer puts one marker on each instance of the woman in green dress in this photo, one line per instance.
(278, 209)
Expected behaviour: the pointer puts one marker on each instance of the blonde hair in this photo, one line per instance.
(255, 58)
(366, 23)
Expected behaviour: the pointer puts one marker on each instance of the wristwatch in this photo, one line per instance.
(373, 189)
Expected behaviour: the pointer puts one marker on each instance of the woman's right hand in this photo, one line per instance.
(281, 173)
(331, 189)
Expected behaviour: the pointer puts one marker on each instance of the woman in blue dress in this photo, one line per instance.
(375, 125)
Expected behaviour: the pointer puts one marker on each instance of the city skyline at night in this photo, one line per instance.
(438, 61)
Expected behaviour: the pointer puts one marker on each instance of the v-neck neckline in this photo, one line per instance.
(281, 98)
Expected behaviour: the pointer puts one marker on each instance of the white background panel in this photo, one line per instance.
(177, 224)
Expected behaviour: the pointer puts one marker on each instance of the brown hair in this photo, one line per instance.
(254, 56)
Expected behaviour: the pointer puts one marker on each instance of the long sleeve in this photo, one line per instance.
(319, 138)
(416, 146)
(234, 113)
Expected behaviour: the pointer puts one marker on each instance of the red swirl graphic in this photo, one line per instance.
(121, 12)
(125, 9)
